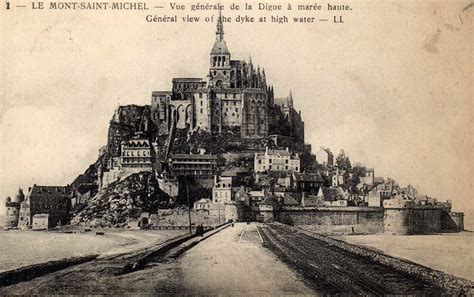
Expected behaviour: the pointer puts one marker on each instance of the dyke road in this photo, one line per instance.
(244, 259)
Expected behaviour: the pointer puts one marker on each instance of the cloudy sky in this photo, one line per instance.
(392, 85)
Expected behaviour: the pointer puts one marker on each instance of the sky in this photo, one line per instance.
(392, 86)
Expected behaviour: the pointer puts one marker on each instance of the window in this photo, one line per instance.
(269, 160)
(201, 110)
(200, 96)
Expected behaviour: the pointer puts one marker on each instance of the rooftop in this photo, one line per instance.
(193, 157)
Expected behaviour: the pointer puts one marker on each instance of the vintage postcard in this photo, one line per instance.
(236, 147)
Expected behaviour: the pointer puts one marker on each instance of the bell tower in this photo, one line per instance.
(220, 59)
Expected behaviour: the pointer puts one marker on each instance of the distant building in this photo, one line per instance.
(54, 201)
(222, 189)
(388, 189)
(307, 182)
(280, 160)
(369, 177)
(340, 178)
(203, 203)
(12, 209)
(378, 180)
(267, 209)
(325, 157)
(136, 155)
(193, 165)
(374, 199)
(41, 222)
(333, 196)
(240, 195)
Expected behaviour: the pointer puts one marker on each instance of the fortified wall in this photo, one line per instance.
(401, 217)
(335, 219)
(404, 217)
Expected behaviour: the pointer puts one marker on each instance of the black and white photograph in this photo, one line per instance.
(249, 148)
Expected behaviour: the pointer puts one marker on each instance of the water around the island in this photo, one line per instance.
(448, 252)
(20, 248)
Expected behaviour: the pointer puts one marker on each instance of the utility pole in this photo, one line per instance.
(189, 207)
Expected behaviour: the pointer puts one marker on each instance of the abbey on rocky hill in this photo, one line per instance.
(233, 94)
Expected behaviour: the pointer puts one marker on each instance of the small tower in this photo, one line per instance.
(220, 58)
(12, 213)
(290, 100)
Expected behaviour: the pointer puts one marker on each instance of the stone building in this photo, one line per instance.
(293, 123)
(340, 178)
(369, 177)
(325, 157)
(233, 94)
(12, 209)
(198, 166)
(280, 160)
(136, 154)
(222, 189)
(307, 182)
(127, 122)
(51, 200)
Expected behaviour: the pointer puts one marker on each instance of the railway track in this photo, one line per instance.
(336, 271)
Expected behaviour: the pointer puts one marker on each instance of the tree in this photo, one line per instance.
(357, 173)
(343, 162)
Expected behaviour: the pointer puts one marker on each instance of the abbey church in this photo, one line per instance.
(233, 94)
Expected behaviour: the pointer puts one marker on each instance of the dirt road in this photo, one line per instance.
(235, 262)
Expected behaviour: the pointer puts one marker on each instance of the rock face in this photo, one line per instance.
(121, 201)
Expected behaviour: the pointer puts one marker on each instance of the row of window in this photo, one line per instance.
(221, 194)
(192, 166)
(136, 160)
(189, 85)
(218, 61)
(270, 161)
(131, 153)
(278, 167)
(195, 172)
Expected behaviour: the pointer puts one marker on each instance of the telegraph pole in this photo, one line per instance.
(189, 207)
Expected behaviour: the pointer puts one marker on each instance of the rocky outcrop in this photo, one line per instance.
(114, 205)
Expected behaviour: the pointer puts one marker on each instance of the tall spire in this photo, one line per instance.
(290, 100)
(219, 45)
(220, 26)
